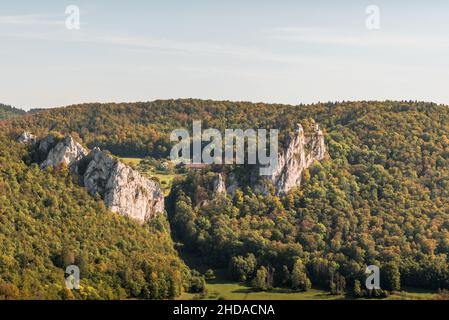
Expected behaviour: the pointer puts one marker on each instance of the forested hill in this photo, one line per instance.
(48, 222)
(141, 129)
(380, 196)
(7, 112)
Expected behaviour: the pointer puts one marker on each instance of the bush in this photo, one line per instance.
(197, 285)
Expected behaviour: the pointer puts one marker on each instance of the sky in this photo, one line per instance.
(262, 51)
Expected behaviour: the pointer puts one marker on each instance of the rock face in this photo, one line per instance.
(302, 151)
(219, 184)
(26, 137)
(123, 189)
(67, 151)
(46, 144)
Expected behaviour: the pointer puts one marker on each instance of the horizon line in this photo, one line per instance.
(28, 109)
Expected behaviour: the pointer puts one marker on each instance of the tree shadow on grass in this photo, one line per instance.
(245, 290)
(286, 291)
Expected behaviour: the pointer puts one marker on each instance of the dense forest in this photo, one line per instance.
(380, 197)
(48, 222)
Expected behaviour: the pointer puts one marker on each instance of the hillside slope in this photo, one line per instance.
(48, 222)
(380, 196)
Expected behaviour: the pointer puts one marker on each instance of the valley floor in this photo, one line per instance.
(241, 291)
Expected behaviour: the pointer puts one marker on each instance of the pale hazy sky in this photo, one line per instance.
(270, 51)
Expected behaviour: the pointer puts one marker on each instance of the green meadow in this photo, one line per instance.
(222, 290)
(240, 291)
(131, 161)
(164, 179)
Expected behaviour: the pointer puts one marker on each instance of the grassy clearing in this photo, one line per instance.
(165, 179)
(222, 288)
(131, 161)
(241, 291)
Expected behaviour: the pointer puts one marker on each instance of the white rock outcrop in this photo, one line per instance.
(219, 184)
(123, 189)
(302, 151)
(26, 137)
(67, 151)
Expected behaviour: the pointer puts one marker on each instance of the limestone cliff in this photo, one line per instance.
(302, 151)
(67, 151)
(123, 189)
(219, 184)
(26, 137)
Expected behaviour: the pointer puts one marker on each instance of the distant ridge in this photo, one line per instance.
(7, 112)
